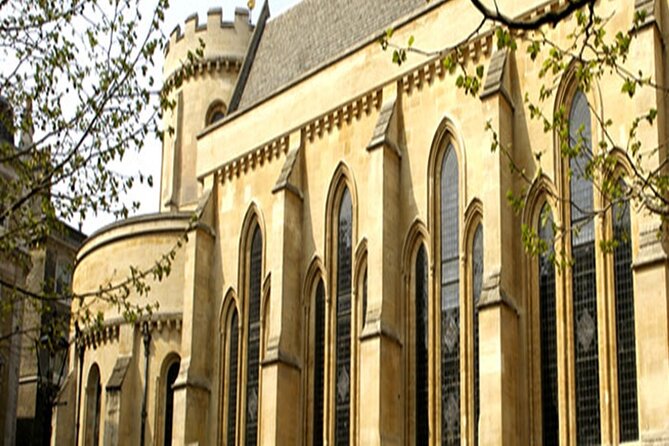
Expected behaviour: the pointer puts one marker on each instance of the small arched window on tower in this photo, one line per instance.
(215, 113)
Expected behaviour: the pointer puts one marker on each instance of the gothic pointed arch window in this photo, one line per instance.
(344, 249)
(253, 286)
(583, 273)
(477, 287)
(449, 293)
(231, 373)
(319, 363)
(628, 412)
(421, 346)
(550, 423)
(364, 297)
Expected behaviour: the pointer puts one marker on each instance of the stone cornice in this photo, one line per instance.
(110, 330)
(255, 158)
(479, 46)
(344, 114)
(315, 128)
(208, 65)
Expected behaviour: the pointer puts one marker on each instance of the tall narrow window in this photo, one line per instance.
(628, 412)
(343, 335)
(233, 352)
(172, 373)
(477, 286)
(319, 361)
(450, 300)
(253, 339)
(584, 277)
(550, 423)
(364, 298)
(93, 397)
(421, 312)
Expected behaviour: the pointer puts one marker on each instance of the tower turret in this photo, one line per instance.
(201, 98)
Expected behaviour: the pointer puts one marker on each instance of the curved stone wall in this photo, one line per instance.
(106, 258)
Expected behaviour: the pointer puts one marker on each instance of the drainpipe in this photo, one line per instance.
(146, 336)
(80, 351)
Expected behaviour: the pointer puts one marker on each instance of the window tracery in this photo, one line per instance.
(254, 286)
(343, 321)
(550, 421)
(449, 298)
(628, 411)
(421, 346)
(319, 362)
(232, 373)
(584, 277)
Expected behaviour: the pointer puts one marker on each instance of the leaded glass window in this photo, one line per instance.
(172, 373)
(550, 421)
(233, 352)
(584, 277)
(450, 300)
(253, 340)
(421, 313)
(319, 360)
(477, 286)
(343, 334)
(628, 412)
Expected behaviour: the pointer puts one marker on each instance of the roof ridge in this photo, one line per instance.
(289, 49)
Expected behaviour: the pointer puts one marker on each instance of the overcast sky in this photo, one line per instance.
(149, 160)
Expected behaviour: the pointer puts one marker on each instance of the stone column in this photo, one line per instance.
(498, 313)
(650, 265)
(280, 403)
(380, 371)
(192, 387)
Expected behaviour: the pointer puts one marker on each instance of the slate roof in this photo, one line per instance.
(313, 33)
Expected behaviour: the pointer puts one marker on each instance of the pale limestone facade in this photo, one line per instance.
(337, 122)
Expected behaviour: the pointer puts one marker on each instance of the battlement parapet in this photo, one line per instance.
(221, 38)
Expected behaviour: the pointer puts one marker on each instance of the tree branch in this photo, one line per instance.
(548, 18)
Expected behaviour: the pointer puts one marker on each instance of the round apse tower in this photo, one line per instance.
(201, 94)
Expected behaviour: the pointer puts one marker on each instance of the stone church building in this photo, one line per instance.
(353, 272)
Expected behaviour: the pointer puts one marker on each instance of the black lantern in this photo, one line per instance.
(51, 360)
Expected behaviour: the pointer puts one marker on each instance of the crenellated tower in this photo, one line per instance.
(202, 95)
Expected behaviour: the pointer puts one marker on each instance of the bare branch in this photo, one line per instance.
(548, 18)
